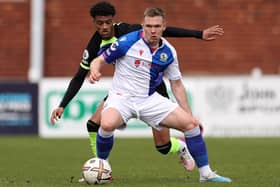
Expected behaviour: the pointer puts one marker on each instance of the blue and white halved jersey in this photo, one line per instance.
(138, 69)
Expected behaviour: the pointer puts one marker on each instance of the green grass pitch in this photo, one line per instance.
(36, 162)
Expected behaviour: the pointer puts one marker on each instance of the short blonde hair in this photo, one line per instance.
(152, 12)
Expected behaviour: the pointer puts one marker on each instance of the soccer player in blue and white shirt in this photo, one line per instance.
(141, 58)
(107, 32)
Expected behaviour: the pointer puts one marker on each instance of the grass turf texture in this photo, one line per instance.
(36, 162)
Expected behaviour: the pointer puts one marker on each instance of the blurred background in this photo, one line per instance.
(232, 83)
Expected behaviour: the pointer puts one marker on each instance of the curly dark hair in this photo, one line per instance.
(102, 8)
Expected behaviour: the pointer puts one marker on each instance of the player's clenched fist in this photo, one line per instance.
(94, 76)
(95, 68)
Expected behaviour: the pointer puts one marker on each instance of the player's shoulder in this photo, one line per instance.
(125, 42)
(122, 28)
(130, 38)
(90, 52)
(120, 24)
(168, 44)
(95, 38)
(94, 42)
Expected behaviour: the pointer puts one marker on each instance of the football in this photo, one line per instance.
(97, 171)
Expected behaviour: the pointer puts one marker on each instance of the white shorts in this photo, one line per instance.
(151, 109)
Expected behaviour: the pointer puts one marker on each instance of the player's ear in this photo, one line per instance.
(164, 25)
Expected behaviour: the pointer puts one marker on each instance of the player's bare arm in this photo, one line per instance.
(179, 91)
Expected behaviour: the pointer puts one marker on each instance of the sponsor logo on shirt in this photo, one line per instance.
(85, 54)
(85, 57)
(137, 63)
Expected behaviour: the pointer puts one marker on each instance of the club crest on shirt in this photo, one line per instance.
(163, 57)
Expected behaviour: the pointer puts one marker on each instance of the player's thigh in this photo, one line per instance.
(117, 110)
(154, 109)
(178, 119)
(161, 137)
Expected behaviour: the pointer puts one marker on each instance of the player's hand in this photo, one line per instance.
(95, 69)
(56, 114)
(198, 123)
(94, 76)
(212, 33)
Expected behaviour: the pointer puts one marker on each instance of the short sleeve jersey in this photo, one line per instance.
(138, 69)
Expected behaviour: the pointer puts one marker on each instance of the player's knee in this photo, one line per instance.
(187, 127)
(187, 124)
(110, 121)
(164, 149)
(92, 126)
(108, 126)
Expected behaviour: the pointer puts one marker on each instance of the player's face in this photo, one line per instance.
(104, 26)
(153, 28)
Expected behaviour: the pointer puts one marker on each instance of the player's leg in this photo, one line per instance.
(115, 113)
(105, 136)
(93, 129)
(181, 120)
(162, 140)
(159, 111)
(93, 125)
(166, 144)
(170, 145)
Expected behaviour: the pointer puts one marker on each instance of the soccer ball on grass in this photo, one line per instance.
(97, 171)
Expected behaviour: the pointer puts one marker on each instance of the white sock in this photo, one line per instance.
(105, 134)
(204, 170)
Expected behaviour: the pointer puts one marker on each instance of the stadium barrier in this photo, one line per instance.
(227, 106)
(18, 108)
